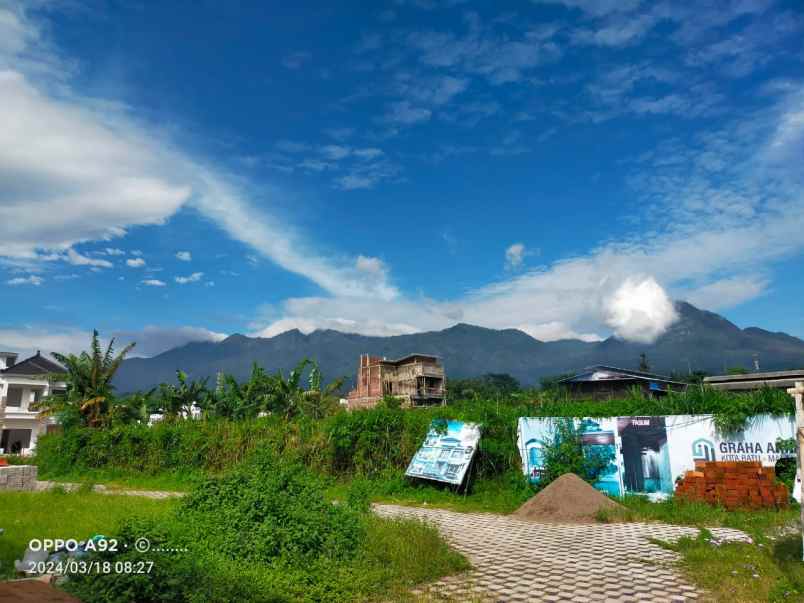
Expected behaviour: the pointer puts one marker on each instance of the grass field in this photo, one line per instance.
(56, 514)
(176, 481)
(491, 495)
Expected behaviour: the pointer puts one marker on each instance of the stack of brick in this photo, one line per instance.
(18, 477)
(733, 484)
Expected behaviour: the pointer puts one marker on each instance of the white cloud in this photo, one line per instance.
(136, 252)
(135, 262)
(499, 58)
(335, 152)
(514, 256)
(404, 113)
(184, 256)
(153, 282)
(26, 280)
(639, 310)
(76, 259)
(193, 278)
(151, 340)
(114, 251)
(596, 8)
(728, 292)
(368, 153)
(716, 215)
(85, 169)
(556, 330)
(61, 154)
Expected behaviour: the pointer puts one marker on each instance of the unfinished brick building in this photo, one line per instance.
(415, 379)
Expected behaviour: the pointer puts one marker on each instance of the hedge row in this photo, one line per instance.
(365, 442)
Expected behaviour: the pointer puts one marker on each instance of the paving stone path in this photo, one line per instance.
(516, 560)
(101, 489)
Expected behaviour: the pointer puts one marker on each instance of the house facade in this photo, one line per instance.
(601, 382)
(22, 385)
(415, 379)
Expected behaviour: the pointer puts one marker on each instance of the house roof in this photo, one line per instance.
(750, 381)
(35, 365)
(407, 357)
(602, 372)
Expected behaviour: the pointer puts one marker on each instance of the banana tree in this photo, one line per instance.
(90, 393)
(176, 401)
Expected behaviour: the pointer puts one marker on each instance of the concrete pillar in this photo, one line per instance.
(798, 395)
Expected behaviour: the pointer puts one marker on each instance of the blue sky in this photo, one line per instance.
(179, 171)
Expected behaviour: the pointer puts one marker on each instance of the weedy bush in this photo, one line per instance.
(366, 443)
(266, 532)
(565, 454)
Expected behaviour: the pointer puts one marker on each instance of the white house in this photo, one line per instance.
(22, 384)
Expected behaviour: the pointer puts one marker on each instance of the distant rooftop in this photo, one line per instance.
(410, 356)
(35, 365)
(602, 372)
(748, 381)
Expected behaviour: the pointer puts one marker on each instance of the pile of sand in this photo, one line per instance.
(568, 499)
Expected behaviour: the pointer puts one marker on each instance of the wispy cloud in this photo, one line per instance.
(707, 226)
(296, 60)
(153, 282)
(150, 340)
(192, 278)
(25, 280)
(405, 113)
(184, 256)
(115, 172)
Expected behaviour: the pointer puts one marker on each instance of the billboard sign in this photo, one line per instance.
(446, 453)
(648, 454)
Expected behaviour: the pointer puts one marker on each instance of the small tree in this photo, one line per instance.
(564, 453)
(175, 401)
(643, 363)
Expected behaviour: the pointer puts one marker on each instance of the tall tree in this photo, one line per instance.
(90, 394)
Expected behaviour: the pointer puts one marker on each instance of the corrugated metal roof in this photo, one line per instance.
(602, 372)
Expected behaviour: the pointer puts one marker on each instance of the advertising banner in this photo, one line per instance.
(648, 454)
(446, 453)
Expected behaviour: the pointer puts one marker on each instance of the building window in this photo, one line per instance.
(14, 397)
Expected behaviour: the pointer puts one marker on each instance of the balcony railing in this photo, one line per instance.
(430, 392)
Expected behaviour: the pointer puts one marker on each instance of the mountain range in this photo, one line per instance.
(698, 341)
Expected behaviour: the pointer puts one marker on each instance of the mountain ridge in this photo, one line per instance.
(699, 340)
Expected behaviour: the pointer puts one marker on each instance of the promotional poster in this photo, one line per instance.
(648, 454)
(446, 453)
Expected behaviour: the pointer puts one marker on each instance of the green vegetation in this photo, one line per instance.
(280, 478)
(745, 572)
(565, 454)
(89, 399)
(56, 514)
(267, 532)
(488, 387)
(768, 569)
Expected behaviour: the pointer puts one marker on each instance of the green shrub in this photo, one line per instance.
(565, 453)
(266, 532)
(365, 443)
